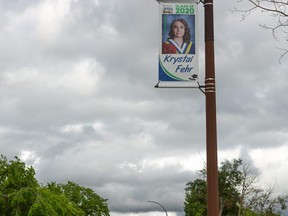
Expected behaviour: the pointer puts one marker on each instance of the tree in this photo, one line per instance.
(278, 9)
(48, 203)
(195, 200)
(249, 176)
(238, 191)
(21, 194)
(15, 178)
(84, 198)
(229, 179)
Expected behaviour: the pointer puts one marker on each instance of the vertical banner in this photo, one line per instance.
(178, 53)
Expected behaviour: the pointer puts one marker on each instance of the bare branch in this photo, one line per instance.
(285, 52)
(278, 10)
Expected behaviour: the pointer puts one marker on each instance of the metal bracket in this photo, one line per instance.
(201, 88)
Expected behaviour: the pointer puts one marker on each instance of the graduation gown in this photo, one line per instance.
(171, 47)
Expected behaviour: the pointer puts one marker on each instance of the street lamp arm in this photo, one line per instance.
(159, 205)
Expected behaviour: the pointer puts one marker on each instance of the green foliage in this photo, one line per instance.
(229, 178)
(17, 184)
(237, 192)
(195, 200)
(48, 203)
(84, 198)
(21, 194)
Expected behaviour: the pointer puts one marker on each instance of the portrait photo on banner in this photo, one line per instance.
(178, 34)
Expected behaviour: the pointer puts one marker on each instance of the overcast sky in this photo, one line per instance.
(78, 100)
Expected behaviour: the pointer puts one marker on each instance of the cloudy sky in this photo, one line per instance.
(78, 100)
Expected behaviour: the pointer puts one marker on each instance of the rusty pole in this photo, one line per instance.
(211, 124)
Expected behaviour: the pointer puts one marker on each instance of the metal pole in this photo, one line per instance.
(159, 205)
(211, 125)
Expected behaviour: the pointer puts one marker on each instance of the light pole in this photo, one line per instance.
(211, 126)
(159, 205)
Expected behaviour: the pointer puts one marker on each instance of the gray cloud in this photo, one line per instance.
(78, 100)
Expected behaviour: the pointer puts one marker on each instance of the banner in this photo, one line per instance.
(178, 53)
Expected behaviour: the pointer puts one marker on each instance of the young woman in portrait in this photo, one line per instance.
(178, 41)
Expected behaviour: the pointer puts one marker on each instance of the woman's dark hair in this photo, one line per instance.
(187, 36)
